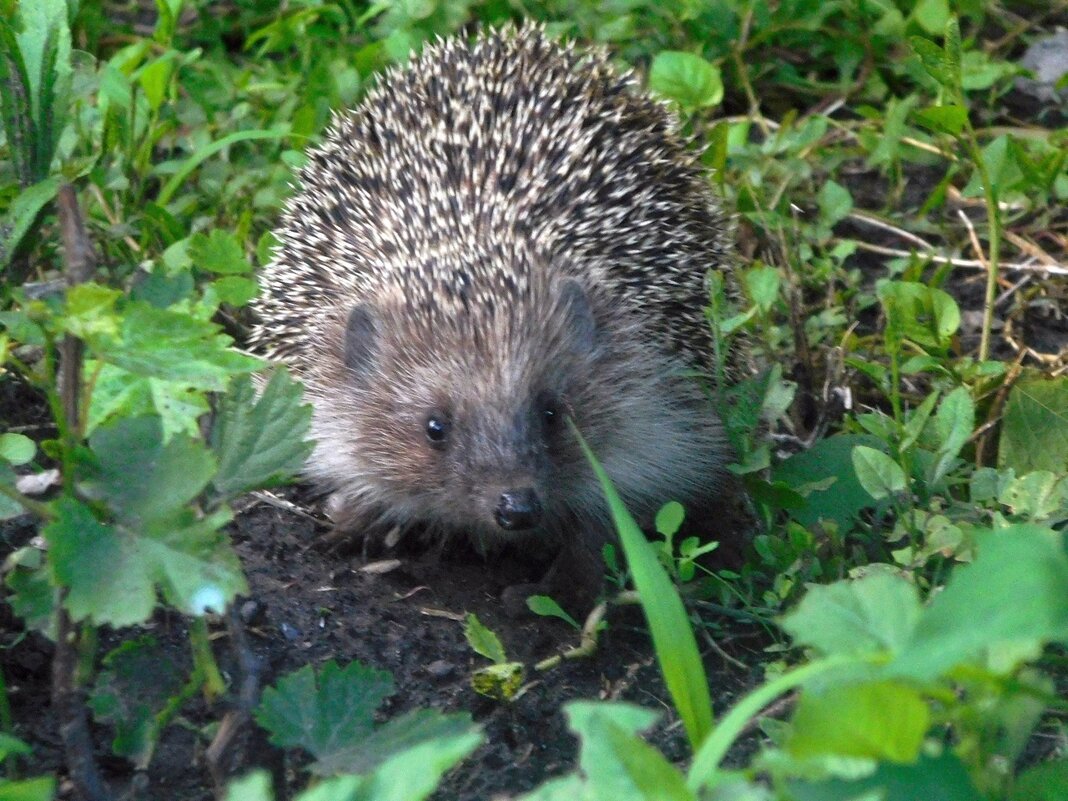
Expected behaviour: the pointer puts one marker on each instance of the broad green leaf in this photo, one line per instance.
(762, 285)
(829, 459)
(925, 315)
(413, 773)
(483, 640)
(113, 573)
(17, 449)
(206, 152)
(23, 211)
(142, 478)
(1034, 428)
(137, 681)
(669, 625)
(372, 751)
(943, 119)
(41, 788)
(669, 518)
(256, 786)
(233, 289)
(173, 346)
(1014, 593)
(260, 442)
(932, 15)
(880, 475)
(323, 711)
(155, 78)
(616, 763)
(341, 788)
(874, 614)
(1045, 782)
(686, 78)
(90, 311)
(882, 720)
(219, 252)
(942, 778)
(32, 595)
(1035, 496)
(11, 745)
(835, 202)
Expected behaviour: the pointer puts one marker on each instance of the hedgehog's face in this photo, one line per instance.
(462, 420)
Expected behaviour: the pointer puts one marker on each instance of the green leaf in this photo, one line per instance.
(17, 449)
(142, 478)
(874, 720)
(220, 252)
(483, 641)
(256, 786)
(260, 442)
(1045, 782)
(323, 711)
(113, 573)
(10, 745)
(874, 614)
(137, 681)
(206, 152)
(942, 778)
(687, 79)
(932, 15)
(171, 345)
(371, 751)
(546, 607)
(499, 681)
(830, 458)
(89, 311)
(23, 212)
(943, 119)
(880, 475)
(953, 424)
(669, 625)
(616, 763)
(42, 788)
(1014, 593)
(919, 313)
(669, 519)
(762, 283)
(835, 202)
(1034, 428)
(234, 289)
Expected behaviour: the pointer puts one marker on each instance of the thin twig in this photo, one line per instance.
(1051, 269)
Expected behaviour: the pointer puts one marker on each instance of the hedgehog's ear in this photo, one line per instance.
(579, 314)
(361, 338)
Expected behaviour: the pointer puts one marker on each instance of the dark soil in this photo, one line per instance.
(307, 605)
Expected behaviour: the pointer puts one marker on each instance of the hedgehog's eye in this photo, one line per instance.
(437, 429)
(549, 409)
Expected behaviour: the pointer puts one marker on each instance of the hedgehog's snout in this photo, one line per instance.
(518, 509)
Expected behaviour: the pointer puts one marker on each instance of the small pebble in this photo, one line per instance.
(251, 612)
(440, 669)
(291, 633)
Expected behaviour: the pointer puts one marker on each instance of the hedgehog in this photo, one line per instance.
(504, 234)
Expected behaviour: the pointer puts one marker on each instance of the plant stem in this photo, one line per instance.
(204, 659)
(994, 236)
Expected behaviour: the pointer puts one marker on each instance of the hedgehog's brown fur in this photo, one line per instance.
(500, 231)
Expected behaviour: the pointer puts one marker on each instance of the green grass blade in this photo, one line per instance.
(673, 637)
(15, 105)
(208, 151)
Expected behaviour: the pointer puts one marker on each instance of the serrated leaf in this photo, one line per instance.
(415, 772)
(1034, 428)
(686, 78)
(323, 711)
(482, 640)
(880, 475)
(172, 346)
(142, 478)
(874, 614)
(137, 681)
(1015, 592)
(260, 442)
(219, 252)
(113, 573)
(875, 720)
(32, 595)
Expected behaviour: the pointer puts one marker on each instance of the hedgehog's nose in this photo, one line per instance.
(518, 509)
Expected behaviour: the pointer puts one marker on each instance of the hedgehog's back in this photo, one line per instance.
(512, 144)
